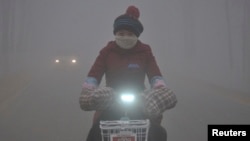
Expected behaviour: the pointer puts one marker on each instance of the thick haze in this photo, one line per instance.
(202, 48)
(202, 39)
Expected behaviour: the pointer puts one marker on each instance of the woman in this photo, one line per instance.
(126, 62)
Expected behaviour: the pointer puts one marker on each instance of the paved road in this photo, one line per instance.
(201, 104)
(48, 109)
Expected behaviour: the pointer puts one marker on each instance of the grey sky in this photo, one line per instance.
(207, 40)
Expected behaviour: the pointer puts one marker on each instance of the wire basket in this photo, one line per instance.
(124, 130)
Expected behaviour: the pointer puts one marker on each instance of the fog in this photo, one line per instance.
(208, 40)
(203, 40)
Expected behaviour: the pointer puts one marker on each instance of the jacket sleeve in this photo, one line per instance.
(152, 68)
(98, 68)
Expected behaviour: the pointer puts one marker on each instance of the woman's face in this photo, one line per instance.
(125, 39)
(124, 32)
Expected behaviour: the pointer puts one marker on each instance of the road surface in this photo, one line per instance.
(47, 109)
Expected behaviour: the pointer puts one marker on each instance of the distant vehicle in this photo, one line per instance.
(66, 60)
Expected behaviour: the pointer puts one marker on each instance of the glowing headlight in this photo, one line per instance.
(73, 61)
(57, 61)
(127, 97)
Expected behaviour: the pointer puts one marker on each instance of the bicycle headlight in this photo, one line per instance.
(127, 97)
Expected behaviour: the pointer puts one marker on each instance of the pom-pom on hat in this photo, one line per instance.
(129, 21)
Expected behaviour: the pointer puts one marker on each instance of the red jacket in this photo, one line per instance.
(125, 67)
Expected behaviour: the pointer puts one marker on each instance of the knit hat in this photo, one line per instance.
(129, 21)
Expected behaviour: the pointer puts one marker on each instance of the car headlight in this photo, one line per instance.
(57, 61)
